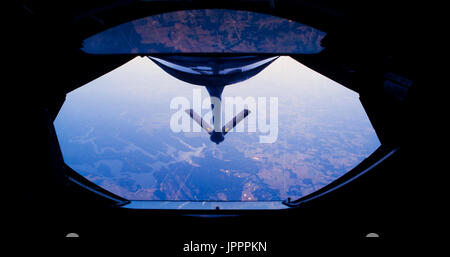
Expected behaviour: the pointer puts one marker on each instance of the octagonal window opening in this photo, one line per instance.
(126, 131)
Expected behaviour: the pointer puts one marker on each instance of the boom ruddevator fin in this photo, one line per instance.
(200, 121)
(232, 123)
